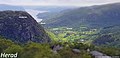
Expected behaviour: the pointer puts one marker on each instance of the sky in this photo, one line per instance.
(58, 2)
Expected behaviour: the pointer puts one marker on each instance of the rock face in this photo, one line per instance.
(21, 27)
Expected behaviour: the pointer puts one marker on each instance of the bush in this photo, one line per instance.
(4, 44)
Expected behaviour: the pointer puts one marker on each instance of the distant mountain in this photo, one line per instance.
(48, 8)
(4, 7)
(94, 16)
(21, 27)
(47, 15)
(51, 11)
(43, 12)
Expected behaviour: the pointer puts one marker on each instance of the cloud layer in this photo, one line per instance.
(57, 2)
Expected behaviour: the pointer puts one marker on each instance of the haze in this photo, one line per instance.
(58, 2)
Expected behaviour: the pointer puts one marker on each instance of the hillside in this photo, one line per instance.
(98, 16)
(21, 27)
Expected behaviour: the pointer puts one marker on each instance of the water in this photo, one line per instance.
(34, 13)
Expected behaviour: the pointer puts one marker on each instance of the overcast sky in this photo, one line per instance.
(58, 2)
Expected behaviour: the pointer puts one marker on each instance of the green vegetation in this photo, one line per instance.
(72, 34)
(65, 34)
(36, 50)
(81, 39)
(105, 40)
(111, 51)
(68, 38)
(67, 53)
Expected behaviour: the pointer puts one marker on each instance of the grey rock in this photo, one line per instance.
(103, 57)
(76, 50)
(58, 47)
(98, 54)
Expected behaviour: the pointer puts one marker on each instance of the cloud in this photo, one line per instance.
(57, 2)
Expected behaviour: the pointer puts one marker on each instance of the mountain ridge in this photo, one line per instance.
(97, 15)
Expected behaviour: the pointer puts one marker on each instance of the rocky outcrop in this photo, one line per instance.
(76, 50)
(98, 54)
(56, 48)
(21, 27)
